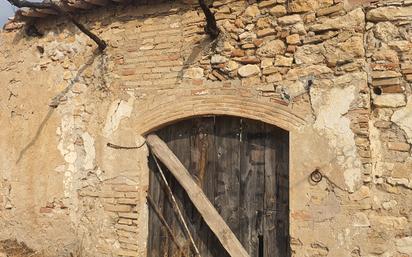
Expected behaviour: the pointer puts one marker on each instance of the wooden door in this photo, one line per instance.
(243, 167)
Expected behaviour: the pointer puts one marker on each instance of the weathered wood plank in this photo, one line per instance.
(282, 194)
(154, 222)
(276, 218)
(165, 224)
(269, 212)
(179, 141)
(228, 170)
(252, 184)
(198, 198)
(202, 169)
(167, 210)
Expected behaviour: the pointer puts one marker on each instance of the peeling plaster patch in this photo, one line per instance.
(352, 178)
(67, 150)
(404, 245)
(118, 110)
(88, 143)
(403, 118)
(376, 151)
(330, 106)
(70, 157)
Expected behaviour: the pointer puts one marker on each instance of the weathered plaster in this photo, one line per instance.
(313, 68)
(119, 110)
(330, 108)
(403, 118)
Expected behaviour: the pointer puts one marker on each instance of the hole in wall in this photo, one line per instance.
(40, 49)
(377, 90)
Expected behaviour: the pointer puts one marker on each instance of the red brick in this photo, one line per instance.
(46, 210)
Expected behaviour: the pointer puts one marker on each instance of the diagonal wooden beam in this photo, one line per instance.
(208, 212)
(211, 25)
(164, 222)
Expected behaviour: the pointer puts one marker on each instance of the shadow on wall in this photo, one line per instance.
(55, 102)
(13, 248)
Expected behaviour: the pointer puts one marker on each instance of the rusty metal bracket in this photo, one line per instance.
(125, 147)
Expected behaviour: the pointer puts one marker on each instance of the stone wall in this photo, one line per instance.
(336, 74)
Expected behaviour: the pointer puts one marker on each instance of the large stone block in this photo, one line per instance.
(353, 20)
(298, 6)
(248, 70)
(390, 100)
(390, 13)
(271, 48)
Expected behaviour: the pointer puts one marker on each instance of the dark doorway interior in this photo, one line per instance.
(243, 167)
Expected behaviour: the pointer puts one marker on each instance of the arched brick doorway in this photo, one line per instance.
(160, 111)
(242, 166)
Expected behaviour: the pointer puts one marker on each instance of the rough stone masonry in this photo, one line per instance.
(335, 73)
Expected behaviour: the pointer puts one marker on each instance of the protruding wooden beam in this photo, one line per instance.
(61, 10)
(97, 2)
(29, 12)
(79, 4)
(211, 25)
(122, 1)
(208, 212)
(47, 11)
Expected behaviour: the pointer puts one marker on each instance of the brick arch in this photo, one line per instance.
(165, 112)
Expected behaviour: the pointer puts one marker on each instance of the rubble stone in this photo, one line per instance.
(353, 20)
(390, 100)
(248, 70)
(252, 11)
(283, 61)
(293, 39)
(299, 6)
(278, 11)
(193, 73)
(217, 59)
(389, 13)
(271, 48)
(399, 146)
(290, 19)
(386, 31)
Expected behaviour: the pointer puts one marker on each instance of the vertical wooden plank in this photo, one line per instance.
(276, 203)
(154, 223)
(198, 198)
(157, 234)
(228, 170)
(282, 204)
(179, 137)
(165, 243)
(269, 216)
(203, 170)
(252, 168)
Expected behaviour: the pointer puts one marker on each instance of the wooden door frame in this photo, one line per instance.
(200, 200)
(164, 109)
(206, 209)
